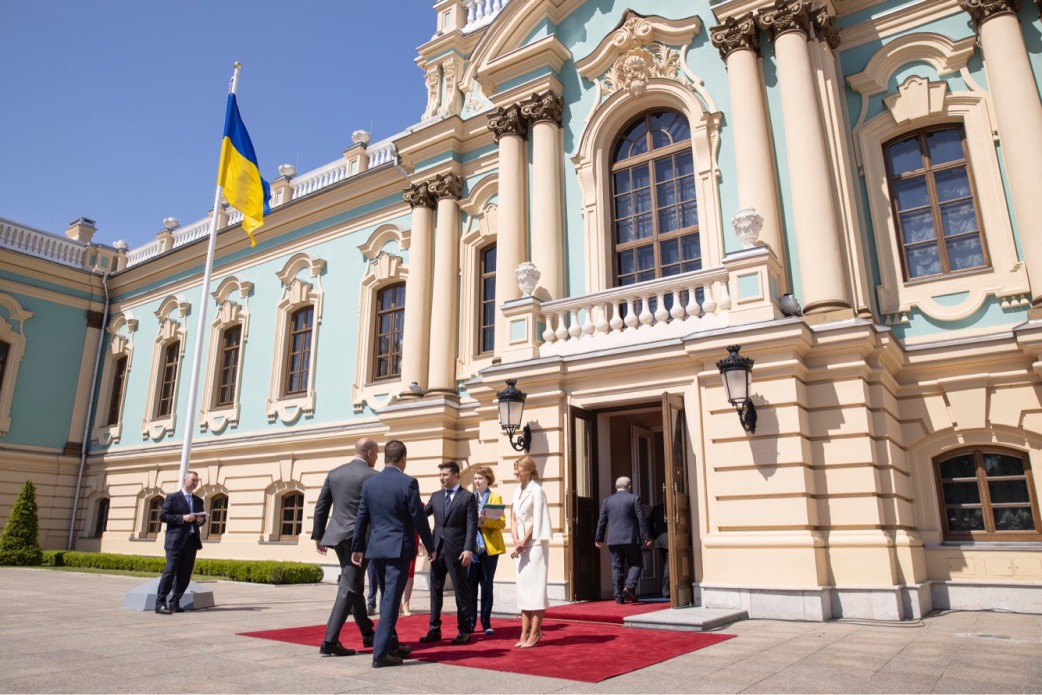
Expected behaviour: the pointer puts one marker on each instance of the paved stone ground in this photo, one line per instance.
(64, 632)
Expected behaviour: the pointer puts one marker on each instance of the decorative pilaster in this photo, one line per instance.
(446, 189)
(544, 112)
(509, 128)
(824, 284)
(417, 330)
(1018, 114)
(738, 40)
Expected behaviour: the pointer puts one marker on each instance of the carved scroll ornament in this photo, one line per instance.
(981, 11)
(507, 120)
(736, 34)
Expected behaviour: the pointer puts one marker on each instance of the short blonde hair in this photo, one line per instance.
(527, 463)
(486, 473)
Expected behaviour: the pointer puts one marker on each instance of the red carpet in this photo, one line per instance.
(602, 611)
(588, 652)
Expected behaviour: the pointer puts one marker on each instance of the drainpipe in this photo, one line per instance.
(85, 446)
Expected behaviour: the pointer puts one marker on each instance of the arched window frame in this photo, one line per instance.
(121, 330)
(212, 497)
(918, 103)
(232, 298)
(171, 315)
(397, 307)
(301, 287)
(12, 332)
(481, 213)
(152, 524)
(296, 526)
(274, 497)
(384, 267)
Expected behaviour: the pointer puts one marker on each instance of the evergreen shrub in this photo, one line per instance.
(19, 544)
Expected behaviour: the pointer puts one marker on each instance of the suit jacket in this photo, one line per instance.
(342, 490)
(658, 527)
(622, 520)
(175, 506)
(390, 505)
(456, 530)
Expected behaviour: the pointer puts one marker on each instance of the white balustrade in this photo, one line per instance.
(143, 253)
(669, 307)
(33, 242)
(196, 230)
(481, 12)
(317, 179)
(381, 153)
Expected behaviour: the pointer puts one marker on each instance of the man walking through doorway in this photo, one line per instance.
(623, 526)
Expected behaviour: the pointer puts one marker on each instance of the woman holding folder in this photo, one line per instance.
(489, 546)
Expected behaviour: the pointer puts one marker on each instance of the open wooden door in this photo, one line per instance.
(582, 504)
(678, 503)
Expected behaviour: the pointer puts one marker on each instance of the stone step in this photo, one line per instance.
(692, 618)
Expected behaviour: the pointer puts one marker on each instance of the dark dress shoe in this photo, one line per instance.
(432, 636)
(630, 596)
(176, 608)
(389, 660)
(461, 638)
(335, 649)
(620, 601)
(162, 609)
(367, 640)
(402, 650)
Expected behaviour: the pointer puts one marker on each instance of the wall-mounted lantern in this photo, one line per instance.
(789, 306)
(511, 407)
(737, 373)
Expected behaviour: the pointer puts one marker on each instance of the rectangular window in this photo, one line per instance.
(935, 210)
(229, 365)
(101, 517)
(299, 359)
(218, 517)
(155, 506)
(119, 377)
(168, 379)
(5, 350)
(487, 294)
(390, 325)
(988, 495)
(292, 516)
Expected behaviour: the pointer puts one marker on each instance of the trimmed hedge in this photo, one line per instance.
(256, 571)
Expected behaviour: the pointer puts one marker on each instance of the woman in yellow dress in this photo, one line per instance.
(488, 548)
(532, 530)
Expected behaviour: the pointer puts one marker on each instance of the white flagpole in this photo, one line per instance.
(201, 334)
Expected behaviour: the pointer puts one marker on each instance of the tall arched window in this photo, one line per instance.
(228, 370)
(119, 377)
(935, 209)
(101, 517)
(218, 517)
(298, 358)
(487, 300)
(292, 516)
(390, 325)
(654, 212)
(168, 379)
(5, 350)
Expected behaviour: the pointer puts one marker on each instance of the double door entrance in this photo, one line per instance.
(647, 443)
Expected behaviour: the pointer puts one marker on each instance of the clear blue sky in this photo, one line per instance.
(114, 109)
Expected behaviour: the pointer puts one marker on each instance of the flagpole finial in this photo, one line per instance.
(238, 65)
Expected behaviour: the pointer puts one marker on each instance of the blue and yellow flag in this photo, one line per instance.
(239, 173)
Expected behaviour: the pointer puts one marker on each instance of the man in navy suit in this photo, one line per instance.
(455, 513)
(342, 491)
(390, 505)
(623, 525)
(182, 515)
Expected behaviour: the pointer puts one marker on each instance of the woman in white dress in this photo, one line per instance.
(532, 530)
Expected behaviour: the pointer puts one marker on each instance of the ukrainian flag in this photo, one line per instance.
(239, 173)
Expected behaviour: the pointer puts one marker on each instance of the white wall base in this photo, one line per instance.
(965, 596)
(826, 603)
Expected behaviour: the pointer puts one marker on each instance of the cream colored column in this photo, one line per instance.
(509, 128)
(822, 268)
(543, 111)
(417, 335)
(1019, 115)
(739, 44)
(446, 189)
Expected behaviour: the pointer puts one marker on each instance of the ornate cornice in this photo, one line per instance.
(786, 16)
(825, 28)
(981, 11)
(507, 120)
(545, 106)
(736, 34)
(446, 186)
(418, 195)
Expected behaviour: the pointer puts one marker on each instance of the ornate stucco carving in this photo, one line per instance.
(641, 49)
(981, 11)
(418, 195)
(452, 99)
(825, 28)
(446, 186)
(545, 106)
(507, 120)
(786, 16)
(736, 34)
(433, 81)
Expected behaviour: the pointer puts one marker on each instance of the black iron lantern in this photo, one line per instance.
(511, 407)
(737, 373)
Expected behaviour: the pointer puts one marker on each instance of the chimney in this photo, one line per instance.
(81, 230)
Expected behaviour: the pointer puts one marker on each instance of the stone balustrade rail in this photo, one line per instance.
(33, 242)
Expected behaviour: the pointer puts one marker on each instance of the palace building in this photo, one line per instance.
(601, 202)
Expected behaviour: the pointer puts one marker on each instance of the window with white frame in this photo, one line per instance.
(228, 334)
(167, 358)
(390, 325)
(12, 348)
(487, 300)
(298, 319)
(108, 422)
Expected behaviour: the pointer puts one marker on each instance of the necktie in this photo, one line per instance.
(448, 500)
(188, 500)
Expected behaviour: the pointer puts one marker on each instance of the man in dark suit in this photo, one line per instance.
(455, 533)
(390, 505)
(623, 525)
(343, 490)
(183, 514)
